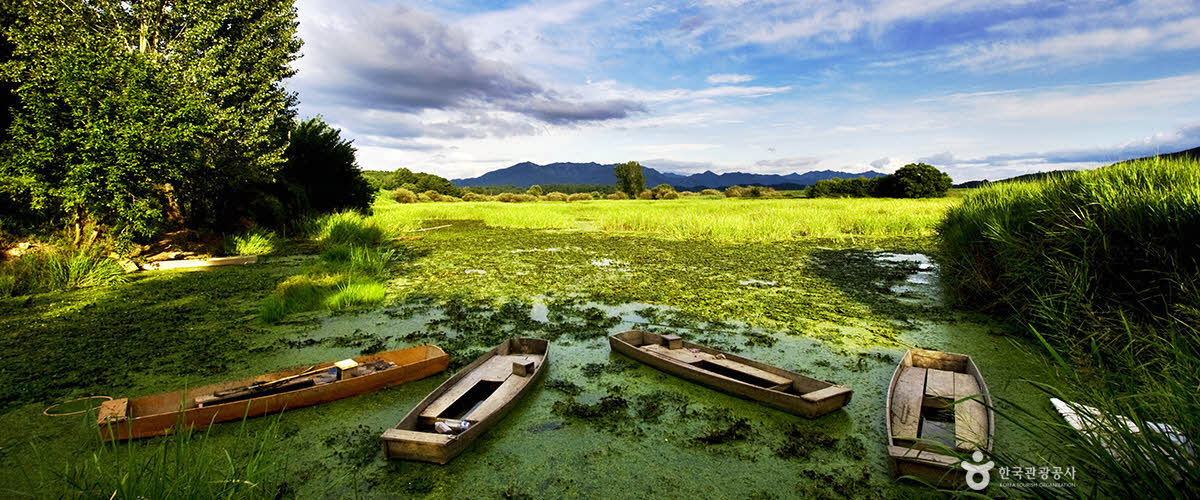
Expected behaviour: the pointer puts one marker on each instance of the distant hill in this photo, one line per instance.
(526, 174)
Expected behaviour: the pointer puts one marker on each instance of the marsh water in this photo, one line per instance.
(598, 424)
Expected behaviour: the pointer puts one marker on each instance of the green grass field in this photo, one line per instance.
(711, 219)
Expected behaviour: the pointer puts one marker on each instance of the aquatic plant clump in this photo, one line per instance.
(44, 270)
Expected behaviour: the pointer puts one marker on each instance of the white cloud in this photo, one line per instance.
(729, 78)
(675, 148)
(1079, 48)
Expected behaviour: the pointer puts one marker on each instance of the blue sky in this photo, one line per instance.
(982, 89)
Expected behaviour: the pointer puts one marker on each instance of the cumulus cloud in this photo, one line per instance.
(881, 163)
(729, 78)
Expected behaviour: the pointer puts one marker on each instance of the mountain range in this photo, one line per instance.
(526, 174)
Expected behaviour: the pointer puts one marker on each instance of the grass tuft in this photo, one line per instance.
(253, 243)
(348, 227)
(50, 269)
(355, 295)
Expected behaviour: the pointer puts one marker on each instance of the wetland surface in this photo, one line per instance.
(599, 424)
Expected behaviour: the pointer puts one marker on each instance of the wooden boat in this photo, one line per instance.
(201, 406)
(926, 427)
(788, 391)
(476, 398)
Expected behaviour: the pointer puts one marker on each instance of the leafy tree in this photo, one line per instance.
(915, 180)
(535, 190)
(321, 166)
(136, 113)
(420, 182)
(629, 178)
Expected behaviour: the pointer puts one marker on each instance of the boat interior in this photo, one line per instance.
(485, 388)
(734, 367)
(924, 408)
(276, 383)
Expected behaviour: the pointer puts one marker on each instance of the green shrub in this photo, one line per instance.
(1077, 257)
(402, 195)
(253, 243)
(431, 195)
(687, 193)
(619, 195)
(534, 190)
(355, 295)
(521, 198)
(555, 196)
(49, 269)
(858, 187)
(596, 195)
(735, 192)
(476, 197)
(752, 192)
(646, 194)
(580, 197)
(710, 192)
(347, 228)
(664, 192)
(505, 197)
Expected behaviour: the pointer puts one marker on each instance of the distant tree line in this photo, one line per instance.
(549, 188)
(915, 180)
(138, 117)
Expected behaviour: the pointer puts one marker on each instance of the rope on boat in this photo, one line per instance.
(47, 413)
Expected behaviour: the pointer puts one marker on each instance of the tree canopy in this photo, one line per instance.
(630, 179)
(133, 113)
(915, 180)
(321, 170)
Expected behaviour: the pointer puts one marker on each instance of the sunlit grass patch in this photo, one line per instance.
(357, 260)
(252, 243)
(347, 227)
(355, 295)
(696, 218)
(298, 294)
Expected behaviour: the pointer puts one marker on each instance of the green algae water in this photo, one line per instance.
(598, 424)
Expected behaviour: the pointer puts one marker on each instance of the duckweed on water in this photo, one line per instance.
(596, 415)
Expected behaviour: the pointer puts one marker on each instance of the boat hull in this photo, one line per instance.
(912, 456)
(407, 442)
(833, 396)
(411, 364)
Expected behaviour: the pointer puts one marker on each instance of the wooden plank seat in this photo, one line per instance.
(970, 416)
(906, 403)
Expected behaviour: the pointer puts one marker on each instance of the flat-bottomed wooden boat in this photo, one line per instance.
(465, 406)
(284, 390)
(788, 391)
(927, 429)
